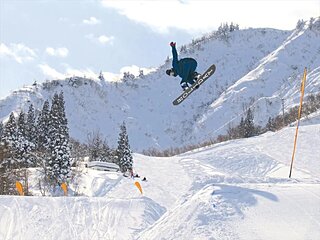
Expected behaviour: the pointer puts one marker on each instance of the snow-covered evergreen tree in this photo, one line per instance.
(124, 154)
(7, 176)
(99, 149)
(21, 125)
(95, 146)
(10, 160)
(107, 153)
(10, 130)
(7, 161)
(23, 147)
(1, 130)
(62, 116)
(64, 141)
(31, 133)
(58, 162)
(43, 127)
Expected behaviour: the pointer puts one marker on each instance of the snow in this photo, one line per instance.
(255, 68)
(233, 190)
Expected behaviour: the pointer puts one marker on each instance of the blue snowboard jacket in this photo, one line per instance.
(184, 67)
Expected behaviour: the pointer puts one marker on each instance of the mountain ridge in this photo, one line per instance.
(247, 63)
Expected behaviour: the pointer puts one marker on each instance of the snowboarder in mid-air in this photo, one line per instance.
(184, 68)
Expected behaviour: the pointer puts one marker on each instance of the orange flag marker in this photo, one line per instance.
(138, 186)
(64, 188)
(19, 188)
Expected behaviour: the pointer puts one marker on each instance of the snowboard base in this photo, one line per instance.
(196, 85)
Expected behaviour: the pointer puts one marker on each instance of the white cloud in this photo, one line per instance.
(204, 15)
(91, 21)
(58, 52)
(135, 70)
(103, 39)
(50, 72)
(81, 73)
(18, 51)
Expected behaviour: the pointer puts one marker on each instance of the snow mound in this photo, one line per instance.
(76, 218)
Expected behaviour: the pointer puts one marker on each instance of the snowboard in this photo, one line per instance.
(194, 86)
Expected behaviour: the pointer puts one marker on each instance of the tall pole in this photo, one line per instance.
(283, 120)
(299, 116)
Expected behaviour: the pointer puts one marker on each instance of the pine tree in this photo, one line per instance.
(101, 77)
(124, 155)
(106, 153)
(10, 162)
(10, 139)
(23, 146)
(249, 124)
(64, 141)
(42, 147)
(95, 146)
(58, 162)
(31, 133)
(242, 128)
(7, 178)
(7, 161)
(1, 130)
(43, 127)
(270, 125)
(10, 130)
(99, 149)
(62, 116)
(21, 125)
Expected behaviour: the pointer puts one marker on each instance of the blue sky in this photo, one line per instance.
(49, 39)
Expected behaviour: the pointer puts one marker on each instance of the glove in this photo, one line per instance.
(172, 44)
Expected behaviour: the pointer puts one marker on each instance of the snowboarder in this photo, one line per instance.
(184, 68)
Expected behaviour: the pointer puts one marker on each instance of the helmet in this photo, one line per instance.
(170, 71)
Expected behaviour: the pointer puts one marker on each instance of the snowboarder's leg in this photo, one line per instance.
(193, 75)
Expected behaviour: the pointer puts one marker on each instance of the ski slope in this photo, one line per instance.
(233, 190)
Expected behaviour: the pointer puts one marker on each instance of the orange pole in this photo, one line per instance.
(299, 116)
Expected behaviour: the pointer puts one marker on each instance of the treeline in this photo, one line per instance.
(311, 105)
(222, 33)
(28, 141)
(40, 139)
(247, 128)
(98, 149)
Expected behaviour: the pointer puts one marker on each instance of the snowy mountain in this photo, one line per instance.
(233, 190)
(255, 68)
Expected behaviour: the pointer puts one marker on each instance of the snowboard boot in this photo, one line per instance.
(196, 76)
(184, 86)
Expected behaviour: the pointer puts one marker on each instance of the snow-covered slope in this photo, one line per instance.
(233, 190)
(278, 76)
(255, 67)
